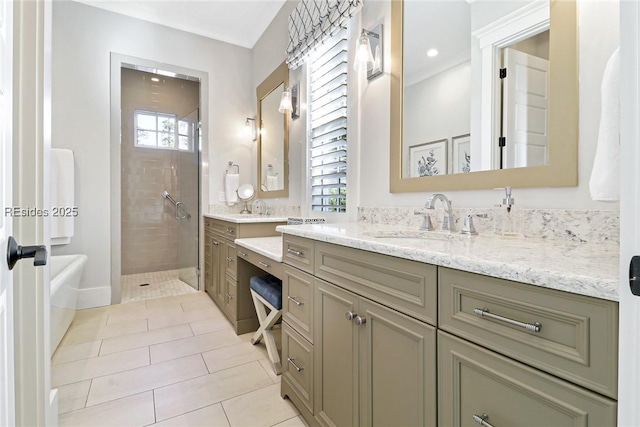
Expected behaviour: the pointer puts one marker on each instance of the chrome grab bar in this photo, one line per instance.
(178, 205)
(482, 420)
(531, 327)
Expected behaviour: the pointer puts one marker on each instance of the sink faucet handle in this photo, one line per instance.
(426, 220)
(467, 226)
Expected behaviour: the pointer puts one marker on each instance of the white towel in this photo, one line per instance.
(604, 184)
(231, 184)
(272, 183)
(62, 196)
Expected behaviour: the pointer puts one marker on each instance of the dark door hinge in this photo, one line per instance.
(503, 73)
(502, 141)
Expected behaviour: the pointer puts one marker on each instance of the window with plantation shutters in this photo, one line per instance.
(328, 125)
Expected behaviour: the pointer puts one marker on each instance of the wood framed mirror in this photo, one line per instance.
(273, 136)
(427, 159)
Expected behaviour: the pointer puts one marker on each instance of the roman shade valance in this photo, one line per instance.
(314, 20)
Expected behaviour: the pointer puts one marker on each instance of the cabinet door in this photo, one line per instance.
(212, 275)
(477, 384)
(397, 368)
(219, 254)
(335, 356)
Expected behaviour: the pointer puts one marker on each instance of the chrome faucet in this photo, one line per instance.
(430, 204)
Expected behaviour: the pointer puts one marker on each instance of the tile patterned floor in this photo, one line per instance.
(172, 361)
(161, 284)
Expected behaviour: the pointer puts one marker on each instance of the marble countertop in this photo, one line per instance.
(583, 268)
(245, 218)
(271, 247)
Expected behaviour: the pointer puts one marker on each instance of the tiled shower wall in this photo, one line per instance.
(150, 232)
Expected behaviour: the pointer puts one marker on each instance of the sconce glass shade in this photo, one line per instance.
(250, 125)
(285, 101)
(364, 56)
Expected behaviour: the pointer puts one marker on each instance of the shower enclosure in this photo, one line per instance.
(160, 184)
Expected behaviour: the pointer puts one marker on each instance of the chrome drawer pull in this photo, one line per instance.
(295, 301)
(296, 253)
(298, 368)
(230, 259)
(215, 243)
(231, 231)
(229, 296)
(264, 264)
(531, 327)
(482, 420)
(242, 253)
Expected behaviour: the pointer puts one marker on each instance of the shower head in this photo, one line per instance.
(165, 194)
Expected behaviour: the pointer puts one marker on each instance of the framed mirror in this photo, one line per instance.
(486, 99)
(273, 136)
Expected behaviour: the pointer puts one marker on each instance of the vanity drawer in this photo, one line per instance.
(297, 365)
(577, 337)
(267, 264)
(225, 229)
(298, 252)
(473, 382)
(407, 286)
(297, 301)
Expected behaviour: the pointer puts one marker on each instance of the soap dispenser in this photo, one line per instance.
(505, 217)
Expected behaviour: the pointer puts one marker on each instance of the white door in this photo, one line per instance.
(525, 105)
(7, 392)
(629, 366)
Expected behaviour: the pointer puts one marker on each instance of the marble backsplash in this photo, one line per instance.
(566, 224)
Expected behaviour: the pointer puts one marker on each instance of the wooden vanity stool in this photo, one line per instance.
(266, 291)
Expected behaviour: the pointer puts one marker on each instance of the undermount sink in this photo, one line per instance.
(412, 234)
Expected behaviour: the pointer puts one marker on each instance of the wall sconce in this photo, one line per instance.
(250, 125)
(369, 53)
(285, 101)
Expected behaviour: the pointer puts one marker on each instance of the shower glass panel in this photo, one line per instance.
(189, 190)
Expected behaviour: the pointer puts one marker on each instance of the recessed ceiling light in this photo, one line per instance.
(432, 52)
(155, 79)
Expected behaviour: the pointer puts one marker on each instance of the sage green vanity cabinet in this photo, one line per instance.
(222, 277)
(377, 369)
(381, 330)
(475, 383)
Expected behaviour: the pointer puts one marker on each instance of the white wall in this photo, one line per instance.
(598, 38)
(83, 38)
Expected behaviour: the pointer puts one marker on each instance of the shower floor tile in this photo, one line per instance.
(157, 284)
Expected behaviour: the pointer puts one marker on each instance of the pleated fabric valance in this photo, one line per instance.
(314, 20)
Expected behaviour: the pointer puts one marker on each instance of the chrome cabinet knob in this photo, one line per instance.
(360, 320)
(351, 315)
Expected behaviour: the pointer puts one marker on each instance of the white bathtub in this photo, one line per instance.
(66, 271)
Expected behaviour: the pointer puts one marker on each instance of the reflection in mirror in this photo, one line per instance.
(273, 136)
(272, 139)
(490, 58)
(455, 125)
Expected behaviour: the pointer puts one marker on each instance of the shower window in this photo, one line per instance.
(162, 130)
